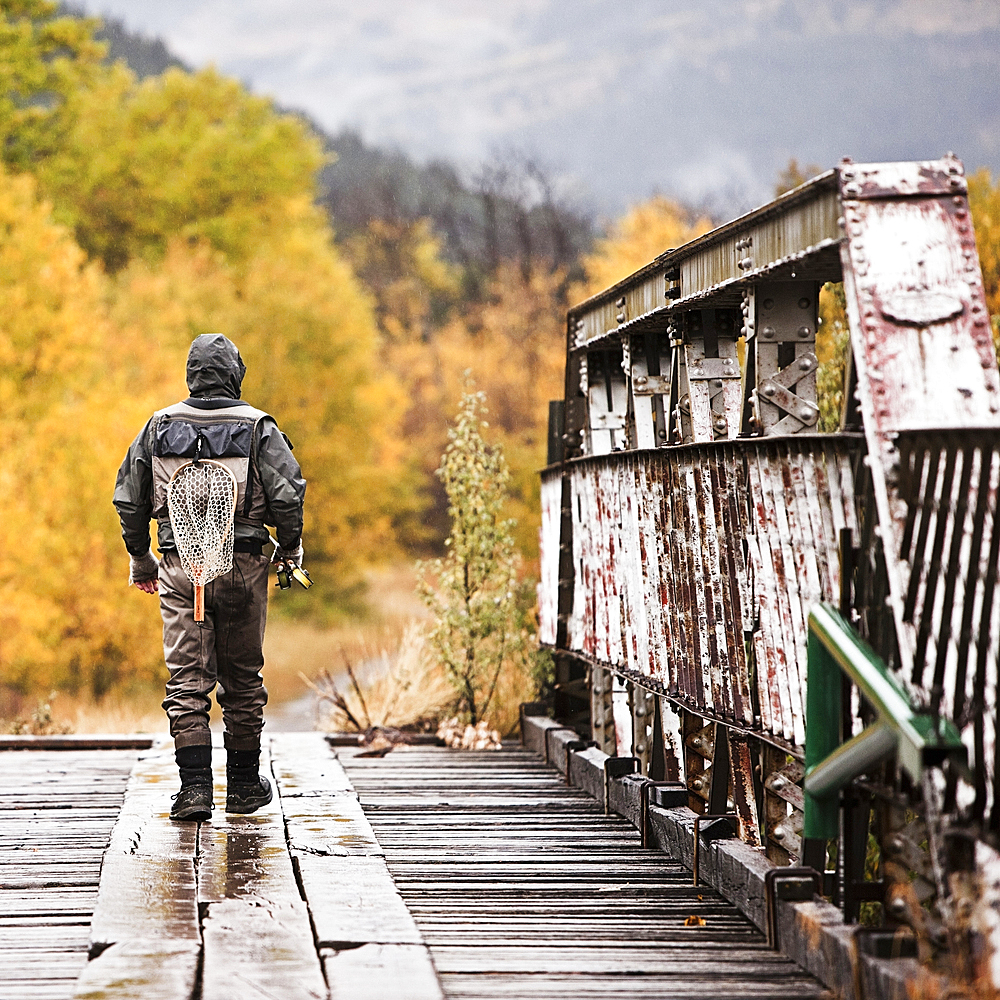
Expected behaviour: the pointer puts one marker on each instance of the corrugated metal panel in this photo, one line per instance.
(548, 539)
(680, 554)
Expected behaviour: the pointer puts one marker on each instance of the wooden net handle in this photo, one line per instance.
(199, 603)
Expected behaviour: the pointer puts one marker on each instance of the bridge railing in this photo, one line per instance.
(693, 518)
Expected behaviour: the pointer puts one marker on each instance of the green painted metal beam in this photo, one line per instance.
(918, 740)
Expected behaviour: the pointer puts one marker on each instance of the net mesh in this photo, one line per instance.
(201, 501)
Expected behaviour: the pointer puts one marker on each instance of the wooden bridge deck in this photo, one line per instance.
(57, 809)
(522, 887)
(507, 884)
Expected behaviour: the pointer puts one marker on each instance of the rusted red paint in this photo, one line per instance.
(662, 583)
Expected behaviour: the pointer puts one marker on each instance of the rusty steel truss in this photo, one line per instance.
(692, 515)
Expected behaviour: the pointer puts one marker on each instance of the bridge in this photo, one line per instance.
(423, 874)
(802, 629)
(770, 767)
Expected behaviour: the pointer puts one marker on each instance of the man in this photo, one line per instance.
(226, 648)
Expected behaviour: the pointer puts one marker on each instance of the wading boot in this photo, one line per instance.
(246, 790)
(194, 801)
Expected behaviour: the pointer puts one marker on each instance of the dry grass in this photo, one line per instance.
(398, 685)
(293, 649)
(400, 682)
(63, 713)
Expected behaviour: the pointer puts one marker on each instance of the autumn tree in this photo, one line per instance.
(47, 59)
(643, 233)
(984, 204)
(194, 203)
(793, 175)
(63, 622)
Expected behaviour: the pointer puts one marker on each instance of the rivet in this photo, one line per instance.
(697, 784)
(778, 783)
(768, 303)
(768, 332)
(805, 364)
(804, 303)
(779, 833)
(957, 201)
(641, 380)
(804, 332)
(768, 390)
(717, 383)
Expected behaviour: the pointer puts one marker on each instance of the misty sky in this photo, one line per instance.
(705, 99)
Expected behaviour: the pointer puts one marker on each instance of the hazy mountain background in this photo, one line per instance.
(703, 100)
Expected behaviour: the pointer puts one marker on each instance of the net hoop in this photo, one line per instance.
(201, 501)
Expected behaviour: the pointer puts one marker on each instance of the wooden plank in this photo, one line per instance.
(304, 766)
(144, 897)
(57, 810)
(153, 969)
(376, 971)
(76, 742)
(259, 947)
(353, 900)
(518, 902)
(255, 926)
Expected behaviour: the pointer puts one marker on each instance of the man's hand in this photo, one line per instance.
(144, 572)
(291, 557)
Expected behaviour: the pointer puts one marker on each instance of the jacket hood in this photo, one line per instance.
(214, 367)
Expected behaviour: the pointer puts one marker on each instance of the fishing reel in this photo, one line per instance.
(287, 571)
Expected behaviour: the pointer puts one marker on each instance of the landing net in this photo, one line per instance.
(201, 500)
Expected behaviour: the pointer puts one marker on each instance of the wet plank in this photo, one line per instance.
(255, 925)
(368, 939)
(150, 969)
(376, 971)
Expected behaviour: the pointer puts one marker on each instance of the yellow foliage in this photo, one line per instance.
(513, 344)
(63, 619)
(984, 203)
(200, 198)
(45, 59)
(178, 155)
(641, 235)
(793, 175)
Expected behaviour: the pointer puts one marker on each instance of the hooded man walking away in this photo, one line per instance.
(225, 649)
